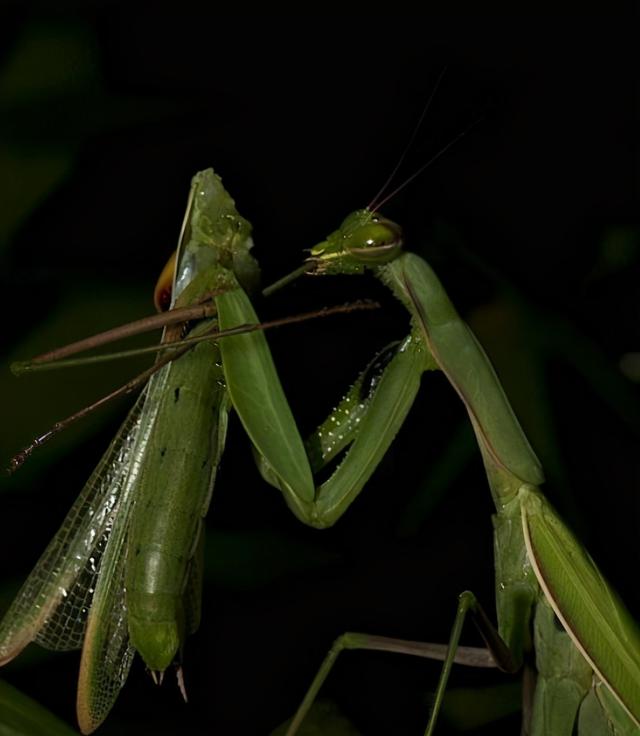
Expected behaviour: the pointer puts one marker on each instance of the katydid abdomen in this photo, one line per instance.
(176, 481)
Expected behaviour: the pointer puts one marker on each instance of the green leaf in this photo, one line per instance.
(20, 715)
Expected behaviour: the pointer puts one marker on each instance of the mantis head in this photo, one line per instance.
(364, 239)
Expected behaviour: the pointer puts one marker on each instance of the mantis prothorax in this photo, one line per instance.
(588, 669)
(123, 573)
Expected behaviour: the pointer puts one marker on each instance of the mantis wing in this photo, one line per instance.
(597, 622)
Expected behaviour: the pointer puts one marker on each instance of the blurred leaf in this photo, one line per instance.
(35, 401)
(70, 65)
(620, 247)
(469, 708)
(34, 167)
(440, 476)
(324, 719)
(630, 366)
(252, 559)
(27, 180)
(22, 716)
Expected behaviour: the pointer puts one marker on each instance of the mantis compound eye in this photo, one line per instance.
(377, 241)
(164, 285)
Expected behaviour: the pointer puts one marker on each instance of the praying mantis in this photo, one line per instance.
(110, 526)
(588, 666)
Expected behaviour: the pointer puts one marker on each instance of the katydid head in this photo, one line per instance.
(214, 244)
(364, 239)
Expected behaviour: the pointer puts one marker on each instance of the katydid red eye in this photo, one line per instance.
(164, 285)
(377, 241)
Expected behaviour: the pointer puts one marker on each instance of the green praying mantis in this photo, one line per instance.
(118, 578)
(588, 666)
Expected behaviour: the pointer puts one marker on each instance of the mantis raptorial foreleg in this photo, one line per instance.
(541, 570)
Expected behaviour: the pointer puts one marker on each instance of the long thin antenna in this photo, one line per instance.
(18, 460)
(203, 310)
(426, 165)
(177, 350)
(54, 363)
(372, 205)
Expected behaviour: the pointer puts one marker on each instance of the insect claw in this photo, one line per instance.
(181, 685)
(157, 677)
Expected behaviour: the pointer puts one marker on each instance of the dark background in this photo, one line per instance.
(530, 221)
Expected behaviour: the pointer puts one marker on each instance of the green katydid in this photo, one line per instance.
(589, 668)
(122, 573)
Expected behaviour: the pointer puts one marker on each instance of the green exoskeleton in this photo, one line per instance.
(588, 670)
(122, 575)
